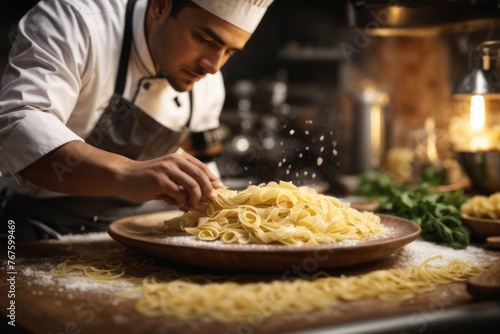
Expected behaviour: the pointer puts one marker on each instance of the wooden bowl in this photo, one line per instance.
(482, 227)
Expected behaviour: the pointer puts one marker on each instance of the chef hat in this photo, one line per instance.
(245, 14)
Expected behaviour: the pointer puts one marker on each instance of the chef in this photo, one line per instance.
(97, 99)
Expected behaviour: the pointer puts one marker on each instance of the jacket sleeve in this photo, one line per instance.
(46, 70)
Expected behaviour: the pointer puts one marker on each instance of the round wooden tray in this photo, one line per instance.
(139, 233)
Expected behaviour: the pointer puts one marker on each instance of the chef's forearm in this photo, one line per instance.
(77, 168)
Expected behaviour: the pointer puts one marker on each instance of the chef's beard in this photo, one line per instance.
(175, 82)
(163, 74)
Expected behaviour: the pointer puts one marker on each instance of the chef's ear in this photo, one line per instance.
(159, 7)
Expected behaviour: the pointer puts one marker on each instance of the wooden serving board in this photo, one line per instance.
(44, 306)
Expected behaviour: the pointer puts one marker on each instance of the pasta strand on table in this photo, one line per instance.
(163, 291)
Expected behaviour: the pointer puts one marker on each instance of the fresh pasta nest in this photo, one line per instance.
(278, 213)
(482, 206)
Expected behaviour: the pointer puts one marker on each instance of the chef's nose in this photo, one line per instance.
(211, 62)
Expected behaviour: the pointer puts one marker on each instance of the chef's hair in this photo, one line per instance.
(178, 5)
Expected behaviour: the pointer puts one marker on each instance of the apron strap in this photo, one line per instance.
(121, 77)
(188, 123)
(126, 46)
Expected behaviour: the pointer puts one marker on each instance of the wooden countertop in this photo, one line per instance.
(45, 305)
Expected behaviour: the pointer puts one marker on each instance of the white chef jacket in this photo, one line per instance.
(62, 72)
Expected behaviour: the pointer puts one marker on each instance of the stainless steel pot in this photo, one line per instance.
(482, 168)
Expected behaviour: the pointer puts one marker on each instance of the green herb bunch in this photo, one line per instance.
(438, 214)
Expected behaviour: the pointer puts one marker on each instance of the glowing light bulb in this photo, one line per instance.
(480, 139)
(477, 113)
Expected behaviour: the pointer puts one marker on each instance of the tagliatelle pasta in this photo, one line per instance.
(229, 302)
(482, 206)
(162, 291)
(277, 213)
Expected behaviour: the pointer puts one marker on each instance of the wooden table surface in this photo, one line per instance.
(46, 307)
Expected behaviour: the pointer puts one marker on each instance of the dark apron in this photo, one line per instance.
(123, 128)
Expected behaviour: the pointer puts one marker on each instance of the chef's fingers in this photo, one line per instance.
(204, 180)
(167, 199)
(172, 201)
(217, 183)
(191, 184)
(190, 181)
(174, 192)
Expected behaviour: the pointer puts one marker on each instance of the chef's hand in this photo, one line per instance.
(178, 179)
(77, 168)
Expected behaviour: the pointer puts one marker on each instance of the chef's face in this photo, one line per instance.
(191, 44)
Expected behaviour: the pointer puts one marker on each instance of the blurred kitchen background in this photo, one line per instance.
(329, 89)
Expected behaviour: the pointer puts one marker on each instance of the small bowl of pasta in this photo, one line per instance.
(481, 214)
